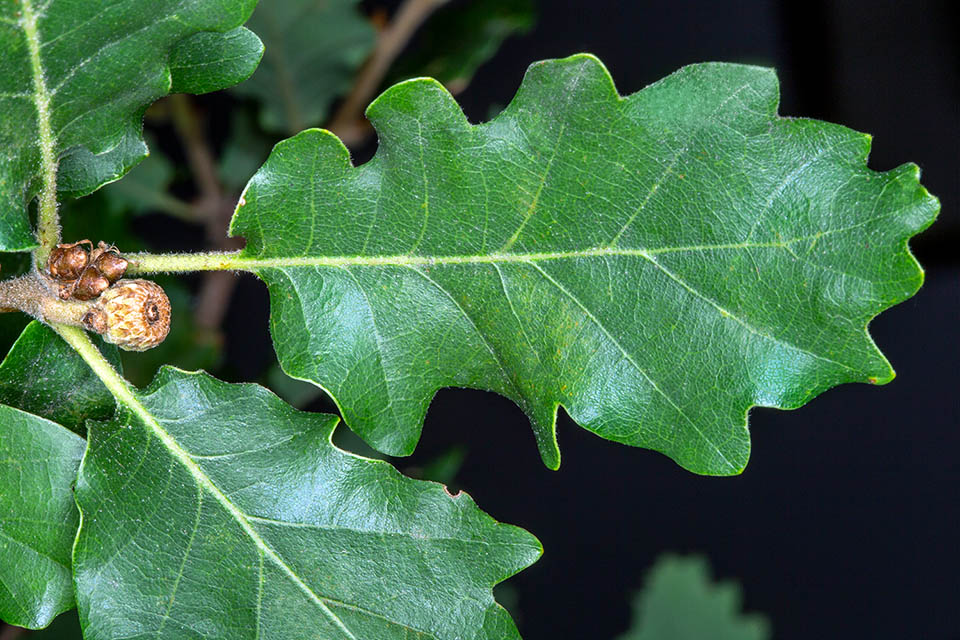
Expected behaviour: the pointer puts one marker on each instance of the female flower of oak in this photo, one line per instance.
(132, 314)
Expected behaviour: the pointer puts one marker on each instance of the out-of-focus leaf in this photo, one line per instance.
(210, 61)
(75, 79)
(461, 37)
(657, 264)
(38, 518)
(44, 376)
(680, 601)
(244, 151)
(296, 393)
(444, 467)
(235, 517)
(144, 188)
(313, 50)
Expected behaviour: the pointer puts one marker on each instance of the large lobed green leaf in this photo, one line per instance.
(657, 264)
(215, 510)
(76, 76)
(313, 50)
(38, 518)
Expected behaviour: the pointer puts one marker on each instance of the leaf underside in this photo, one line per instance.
(75, 79)
(656, 264)
(235, 517)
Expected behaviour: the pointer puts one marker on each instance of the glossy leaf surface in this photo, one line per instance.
(75, 78)
(656, 264)
(38, 518)
(209, 61)
(44, 376)
(235, 517)
(313, 50)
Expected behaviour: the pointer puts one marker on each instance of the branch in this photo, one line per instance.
(411, 14)
(10, 633)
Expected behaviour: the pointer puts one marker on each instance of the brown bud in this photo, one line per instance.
(91, 284)
(67, 261)
(95, 320)
(137, 314)
(111, 265)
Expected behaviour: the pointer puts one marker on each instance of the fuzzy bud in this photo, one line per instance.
(95, 320)
(111, 265)
(67, 261)
(136, 315)
(90, 285)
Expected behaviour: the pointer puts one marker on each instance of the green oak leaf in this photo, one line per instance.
(235, 517)
(680, 601)
(209, 61)
(656, 264)
(44, 376)
(313, 50)
(460, 38)
(75, 79)
(38, 518)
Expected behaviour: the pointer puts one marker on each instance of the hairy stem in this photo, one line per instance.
(112, 380)
(36, 296)
(143, 263)
(391, 42)
(48, 221)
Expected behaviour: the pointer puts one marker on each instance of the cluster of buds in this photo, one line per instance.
(83, 273)
(132, 314)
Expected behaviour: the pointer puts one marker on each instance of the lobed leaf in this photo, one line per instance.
(75, 79)
(38, 518)
(44, 376)
(656, 264)
(216, 510)
(209, 61)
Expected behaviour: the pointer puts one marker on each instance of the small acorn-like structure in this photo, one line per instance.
(132, 314)
(67, 261)
(84, 273)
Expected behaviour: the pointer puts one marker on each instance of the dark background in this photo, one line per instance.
(846, 523)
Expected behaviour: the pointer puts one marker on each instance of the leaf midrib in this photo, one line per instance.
(48, 229)
(125, 396)
(246, 263)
